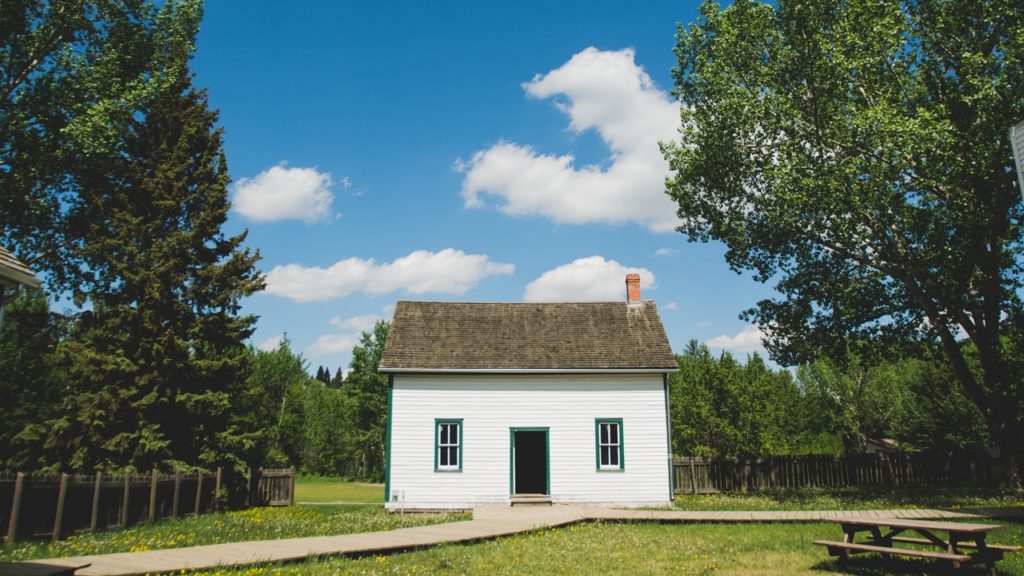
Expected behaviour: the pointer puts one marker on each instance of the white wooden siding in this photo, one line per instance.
(490, 405)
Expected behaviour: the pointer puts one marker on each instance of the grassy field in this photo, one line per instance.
(346, 513)
(864, 498)
(319, 490)
(635, 549)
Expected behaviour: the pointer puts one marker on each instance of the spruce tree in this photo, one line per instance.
(338, 380)
(157, 359)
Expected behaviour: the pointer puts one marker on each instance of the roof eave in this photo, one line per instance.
(18, 277)
(388, 370)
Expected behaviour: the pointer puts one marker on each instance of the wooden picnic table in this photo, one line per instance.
(964, 543)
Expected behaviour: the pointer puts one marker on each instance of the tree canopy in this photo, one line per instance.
(857, 154)
(72, 75)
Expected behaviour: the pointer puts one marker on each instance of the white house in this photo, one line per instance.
(526, 402)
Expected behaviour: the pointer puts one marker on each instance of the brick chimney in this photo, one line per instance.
(633, 289)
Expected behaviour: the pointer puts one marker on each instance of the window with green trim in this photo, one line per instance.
(448, 444)
(609, 444)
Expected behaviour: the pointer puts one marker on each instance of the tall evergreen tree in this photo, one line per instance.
(338, 379)
(156, 361)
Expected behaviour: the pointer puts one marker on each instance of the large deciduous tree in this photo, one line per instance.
(72, 74)
(857, 153)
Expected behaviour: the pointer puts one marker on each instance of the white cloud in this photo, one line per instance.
(270, 343)
(363, 323)
(747, 340)
(670, 306)
(592, 279)
(446, 272)
(283, 193)
(608, 92)
(666, 252)
(333, 344)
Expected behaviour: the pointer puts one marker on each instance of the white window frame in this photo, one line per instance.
(612, 444)
(450, 423)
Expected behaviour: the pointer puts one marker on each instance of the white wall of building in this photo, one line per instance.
(489, 405)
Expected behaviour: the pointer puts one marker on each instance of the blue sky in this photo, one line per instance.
(456, 151)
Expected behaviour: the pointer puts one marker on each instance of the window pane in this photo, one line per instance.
(614, 456)
(604, 433)
(443, 460)
(453, 434)
(453, 456)
(604, 455)
(613, 433)
(444, 434)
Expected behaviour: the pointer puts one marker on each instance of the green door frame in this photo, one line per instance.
(512, 457)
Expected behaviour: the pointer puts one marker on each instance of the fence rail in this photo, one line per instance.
(55, 505)
(695, 475)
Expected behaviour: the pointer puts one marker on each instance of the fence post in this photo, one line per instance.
(693, 476)
(216, 491)
(199, 492)
(250, 488)
(291, 480)
(62, 494)
(177, 494)
(94, 517)
(124, 500)
(254, 486)
(12, 524)
(152, 496)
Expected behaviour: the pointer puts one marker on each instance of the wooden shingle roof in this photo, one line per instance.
(526, 337)
(14, 271)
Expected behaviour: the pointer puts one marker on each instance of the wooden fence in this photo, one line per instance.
(694, 475)
(55, 505)
(273, 486)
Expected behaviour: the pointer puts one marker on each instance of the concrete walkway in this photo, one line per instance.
(488, 522)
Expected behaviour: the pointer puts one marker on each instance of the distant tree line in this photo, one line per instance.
(724, 407)
(332, 428)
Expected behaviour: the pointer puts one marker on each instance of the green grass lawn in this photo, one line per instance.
(864, 498)
(345, 515)
(638, 548)
(320, 490)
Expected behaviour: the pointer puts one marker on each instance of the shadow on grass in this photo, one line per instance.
(882, 566)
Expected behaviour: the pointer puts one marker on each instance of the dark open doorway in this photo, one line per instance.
(529, 461)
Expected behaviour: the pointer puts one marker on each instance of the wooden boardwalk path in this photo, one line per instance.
(488, 522)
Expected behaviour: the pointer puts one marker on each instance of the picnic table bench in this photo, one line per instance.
(964, 545)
